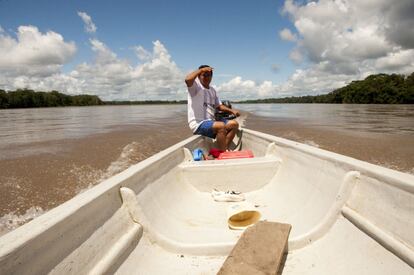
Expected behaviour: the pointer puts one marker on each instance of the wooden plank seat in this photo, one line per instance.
(260, 250)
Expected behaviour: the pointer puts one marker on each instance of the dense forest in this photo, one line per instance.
(28, 99)
(145, 102)
(377, 89)
(25, 98)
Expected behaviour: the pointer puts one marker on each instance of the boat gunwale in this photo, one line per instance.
(14, 239)
(401, 180)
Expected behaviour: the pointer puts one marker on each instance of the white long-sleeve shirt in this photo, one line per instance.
(202, 103)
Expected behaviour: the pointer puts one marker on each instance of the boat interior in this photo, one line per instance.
(158, 216)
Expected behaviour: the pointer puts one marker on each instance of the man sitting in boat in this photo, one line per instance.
(202, 104)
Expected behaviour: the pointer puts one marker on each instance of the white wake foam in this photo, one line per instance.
(12, 220)
(88, 178)
(124, 160)
(311, 143)
(242, 119)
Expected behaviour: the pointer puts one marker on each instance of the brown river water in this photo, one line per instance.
(49, 155)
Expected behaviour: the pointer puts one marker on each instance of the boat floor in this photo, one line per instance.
(169, 217)
(150, 258)
(343, 250)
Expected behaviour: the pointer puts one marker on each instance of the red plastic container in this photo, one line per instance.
(236, 155)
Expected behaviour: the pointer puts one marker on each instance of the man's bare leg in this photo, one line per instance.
(219, 129)
(231, 128)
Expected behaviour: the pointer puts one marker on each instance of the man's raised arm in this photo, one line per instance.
(189, 79)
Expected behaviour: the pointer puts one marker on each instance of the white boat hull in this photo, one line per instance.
(158, 216)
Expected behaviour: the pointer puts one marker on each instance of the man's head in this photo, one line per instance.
(206, 75)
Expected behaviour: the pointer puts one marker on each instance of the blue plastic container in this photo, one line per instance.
(198, 154)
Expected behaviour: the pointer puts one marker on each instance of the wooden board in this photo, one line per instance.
(260, 250)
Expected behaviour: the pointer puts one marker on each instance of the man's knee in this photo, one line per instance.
(232, 124)
(219, 127)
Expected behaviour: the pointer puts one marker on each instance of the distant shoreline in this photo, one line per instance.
(375, 89)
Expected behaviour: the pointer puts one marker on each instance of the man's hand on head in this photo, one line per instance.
(206, 69)
(189, 79)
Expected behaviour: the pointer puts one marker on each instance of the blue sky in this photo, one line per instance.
(144, 49)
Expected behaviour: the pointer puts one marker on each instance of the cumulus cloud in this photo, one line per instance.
(338, 41)
(401, 60)
(58, 81)
(142, 53)
(346, 40)
(314, 80)
(335, 41)
(33, 53)
(400, 21)
(239, 89)
(35, 59)
(296, 56)
(287, 35)
(89, 25)
(337, 31)
(114, 78)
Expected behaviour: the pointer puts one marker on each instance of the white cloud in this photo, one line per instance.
(59, 82)
(336, 41)
(34, 60)
(296, 56)
(115, 78)
(89, 25)
(239, 89)
(33, 53)
(344, 40)
(401, 60)
(287, 35)
(400, 21)
(302, 82)
(340, 41)
(103, 54)
(142, 53)
(314, 80)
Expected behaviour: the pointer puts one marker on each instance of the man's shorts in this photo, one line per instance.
(206, 128)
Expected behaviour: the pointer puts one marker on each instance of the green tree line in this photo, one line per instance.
(376, 89)
(145, 102)
(25, 98)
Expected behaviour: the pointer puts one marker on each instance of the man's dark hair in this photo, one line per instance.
(203, 66)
